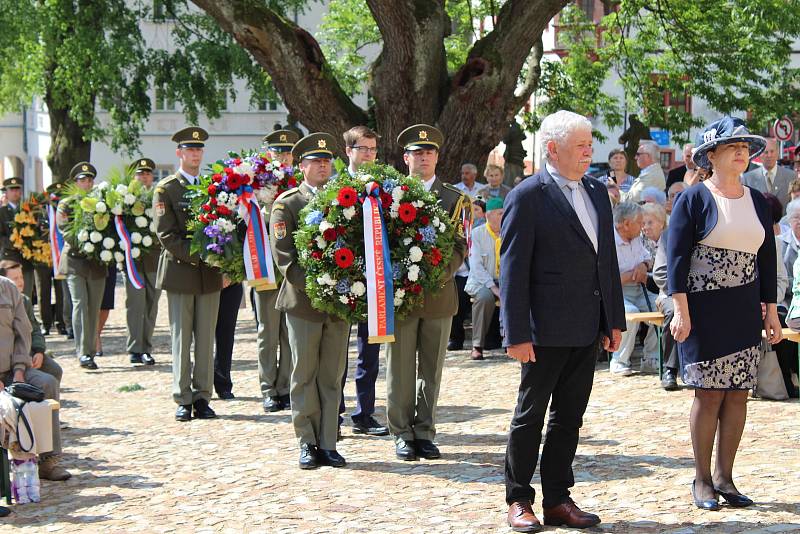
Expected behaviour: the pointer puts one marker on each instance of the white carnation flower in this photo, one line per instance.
(136, 238)
(436, 221)
(106, 256)
(397, 301)
(413, 273)
(343, 299)
(324, 225)
(102, 186)
(135, 252)
(88, 247)
(244, 168)
(147, 241)
(222, 196)
(119, 257)
(129, 199)
(442, 227)
(95, 237)
(278, 173)
(122, 189)
(415, 254)
(153, 226)
(108, 243)
(83, 235)
(358, 288)
(100, 207)
(407, 241)
(349, 213)
(321, 243)
(141, 222)
(397, 194)
(117, 209)
(400, 293)
(418, 203)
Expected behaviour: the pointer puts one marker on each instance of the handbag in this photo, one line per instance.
(26, 392)
(769, 383)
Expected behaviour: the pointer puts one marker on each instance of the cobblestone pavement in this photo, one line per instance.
(135, 469)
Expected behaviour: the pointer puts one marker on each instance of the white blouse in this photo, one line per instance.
(738, 226)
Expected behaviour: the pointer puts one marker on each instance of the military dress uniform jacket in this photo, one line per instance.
(73, 262)
(444, 303)
(284, 221)
(178, 270)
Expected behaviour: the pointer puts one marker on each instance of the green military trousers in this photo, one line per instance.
(274, 374)
(87, 295)
(141, 311)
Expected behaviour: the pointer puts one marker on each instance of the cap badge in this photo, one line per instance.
(322, 143)
(143, 163)
(195, 135)
(85, 168)
(423, 134)
(283, 137)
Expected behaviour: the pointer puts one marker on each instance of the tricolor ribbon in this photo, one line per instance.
(257, 253)
(466, 222)
(56, 240)
(130, 266)
(380, 290)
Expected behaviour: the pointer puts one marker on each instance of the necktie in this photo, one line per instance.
(583, 214)
(770, 178)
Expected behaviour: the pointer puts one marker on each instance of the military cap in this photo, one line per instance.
(84, 168)
(313, 146)
(281, 140)
(421, 137)
(191, 137)
(12, 183)
(144, 165)
(54, 188)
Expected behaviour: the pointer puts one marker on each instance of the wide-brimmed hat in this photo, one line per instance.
(722, 132)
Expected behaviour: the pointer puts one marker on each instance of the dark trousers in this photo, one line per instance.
(787, 358)
(670, 347)
(565, 374)
(366, 375)
(464, 311)
(44, 278)
(229, 300)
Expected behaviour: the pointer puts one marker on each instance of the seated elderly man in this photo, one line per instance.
(634, 261)
(652, 175)
(22, 357)
(484, 274)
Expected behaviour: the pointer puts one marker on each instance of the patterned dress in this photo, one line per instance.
(724, 299)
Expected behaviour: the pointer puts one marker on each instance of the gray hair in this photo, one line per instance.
(793, 207)
(653, 193)
(649, 147)
(657, 211)
(682, 185)
(557, 126)
(469, 167)
(688, 146)
(625, 211)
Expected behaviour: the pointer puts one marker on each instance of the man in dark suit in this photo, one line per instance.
(677, 174)
(561, 293)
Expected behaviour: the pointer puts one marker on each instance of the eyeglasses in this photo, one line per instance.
(365, 149)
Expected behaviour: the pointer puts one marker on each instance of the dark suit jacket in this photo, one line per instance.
(555, 290)
(675, 175)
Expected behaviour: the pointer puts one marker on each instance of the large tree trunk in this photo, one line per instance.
(69, 144)
(409, 81)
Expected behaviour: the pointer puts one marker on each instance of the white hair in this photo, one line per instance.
(793, 207)
(471, 167)
(683, 186)
(649, 147)
(626, 211)
(557, 126)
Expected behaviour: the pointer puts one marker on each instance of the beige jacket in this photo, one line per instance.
(15, 329)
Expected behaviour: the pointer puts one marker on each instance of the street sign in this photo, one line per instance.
(661, 137)
(784, 128)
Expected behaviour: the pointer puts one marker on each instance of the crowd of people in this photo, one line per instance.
(547, 269)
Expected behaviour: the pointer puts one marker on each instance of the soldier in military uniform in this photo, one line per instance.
(86, 278)
(141, 305)
(13, 188)
(414, 361)
(318, 340)
(192, 286)
(279, 146)
(47, 284)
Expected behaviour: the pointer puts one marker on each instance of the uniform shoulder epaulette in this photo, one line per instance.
(453, 188)
(287, 194)
(166, 180)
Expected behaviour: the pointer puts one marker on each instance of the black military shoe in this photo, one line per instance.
(62, 330)
(405, 450)
(46, 331)
(331, 458)
(426, 449)
(183, 413)
(226, 395)
(286, 402)
(455, 345)
(70, 333)
(147, 359)
(370, 427)
(308, 456)
(669, 381)
(202, 410)
(272, 404)
(87, 362)
(135, 357)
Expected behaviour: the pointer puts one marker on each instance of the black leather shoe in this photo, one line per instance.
(98, 354)
(308, 457)
(136, 357)
(147, 359)
(405, 450)
(453, 345)
(331, 458)
(62, 330)
(735, 500)
(203, 411)
(426, 449)
(87, 362)
(286, 402)
(45, 331)
(183, 413)
(226, 395)
(70, 334)
(710, 504)
(4, 511)
(272, 404)
(669, 381)
(370, 427)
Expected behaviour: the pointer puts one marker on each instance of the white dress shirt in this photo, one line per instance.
(630, 253)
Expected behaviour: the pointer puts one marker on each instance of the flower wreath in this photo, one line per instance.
(29, 234)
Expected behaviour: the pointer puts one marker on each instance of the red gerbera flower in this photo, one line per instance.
(329, 234)
(212, 189)
(344, 258)
(436, 256)
(347, 197)
(217, 178)
(407, 212)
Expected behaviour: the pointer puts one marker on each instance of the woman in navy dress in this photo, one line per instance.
(722, 278)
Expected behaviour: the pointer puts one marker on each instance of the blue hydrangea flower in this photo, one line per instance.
(314, 218)
(428, 235)
(396, 270)
(339, 243)
(343, 286)
(389, 185)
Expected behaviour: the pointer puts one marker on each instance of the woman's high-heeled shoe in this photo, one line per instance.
(710, 504)
(735, 500)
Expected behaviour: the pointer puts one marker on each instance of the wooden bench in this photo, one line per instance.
(655, 319)
(5, 466)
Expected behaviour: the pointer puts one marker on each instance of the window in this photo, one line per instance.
(268, 105)
(587, 6)
(162, 10)
(162, 101)
(161, 172)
